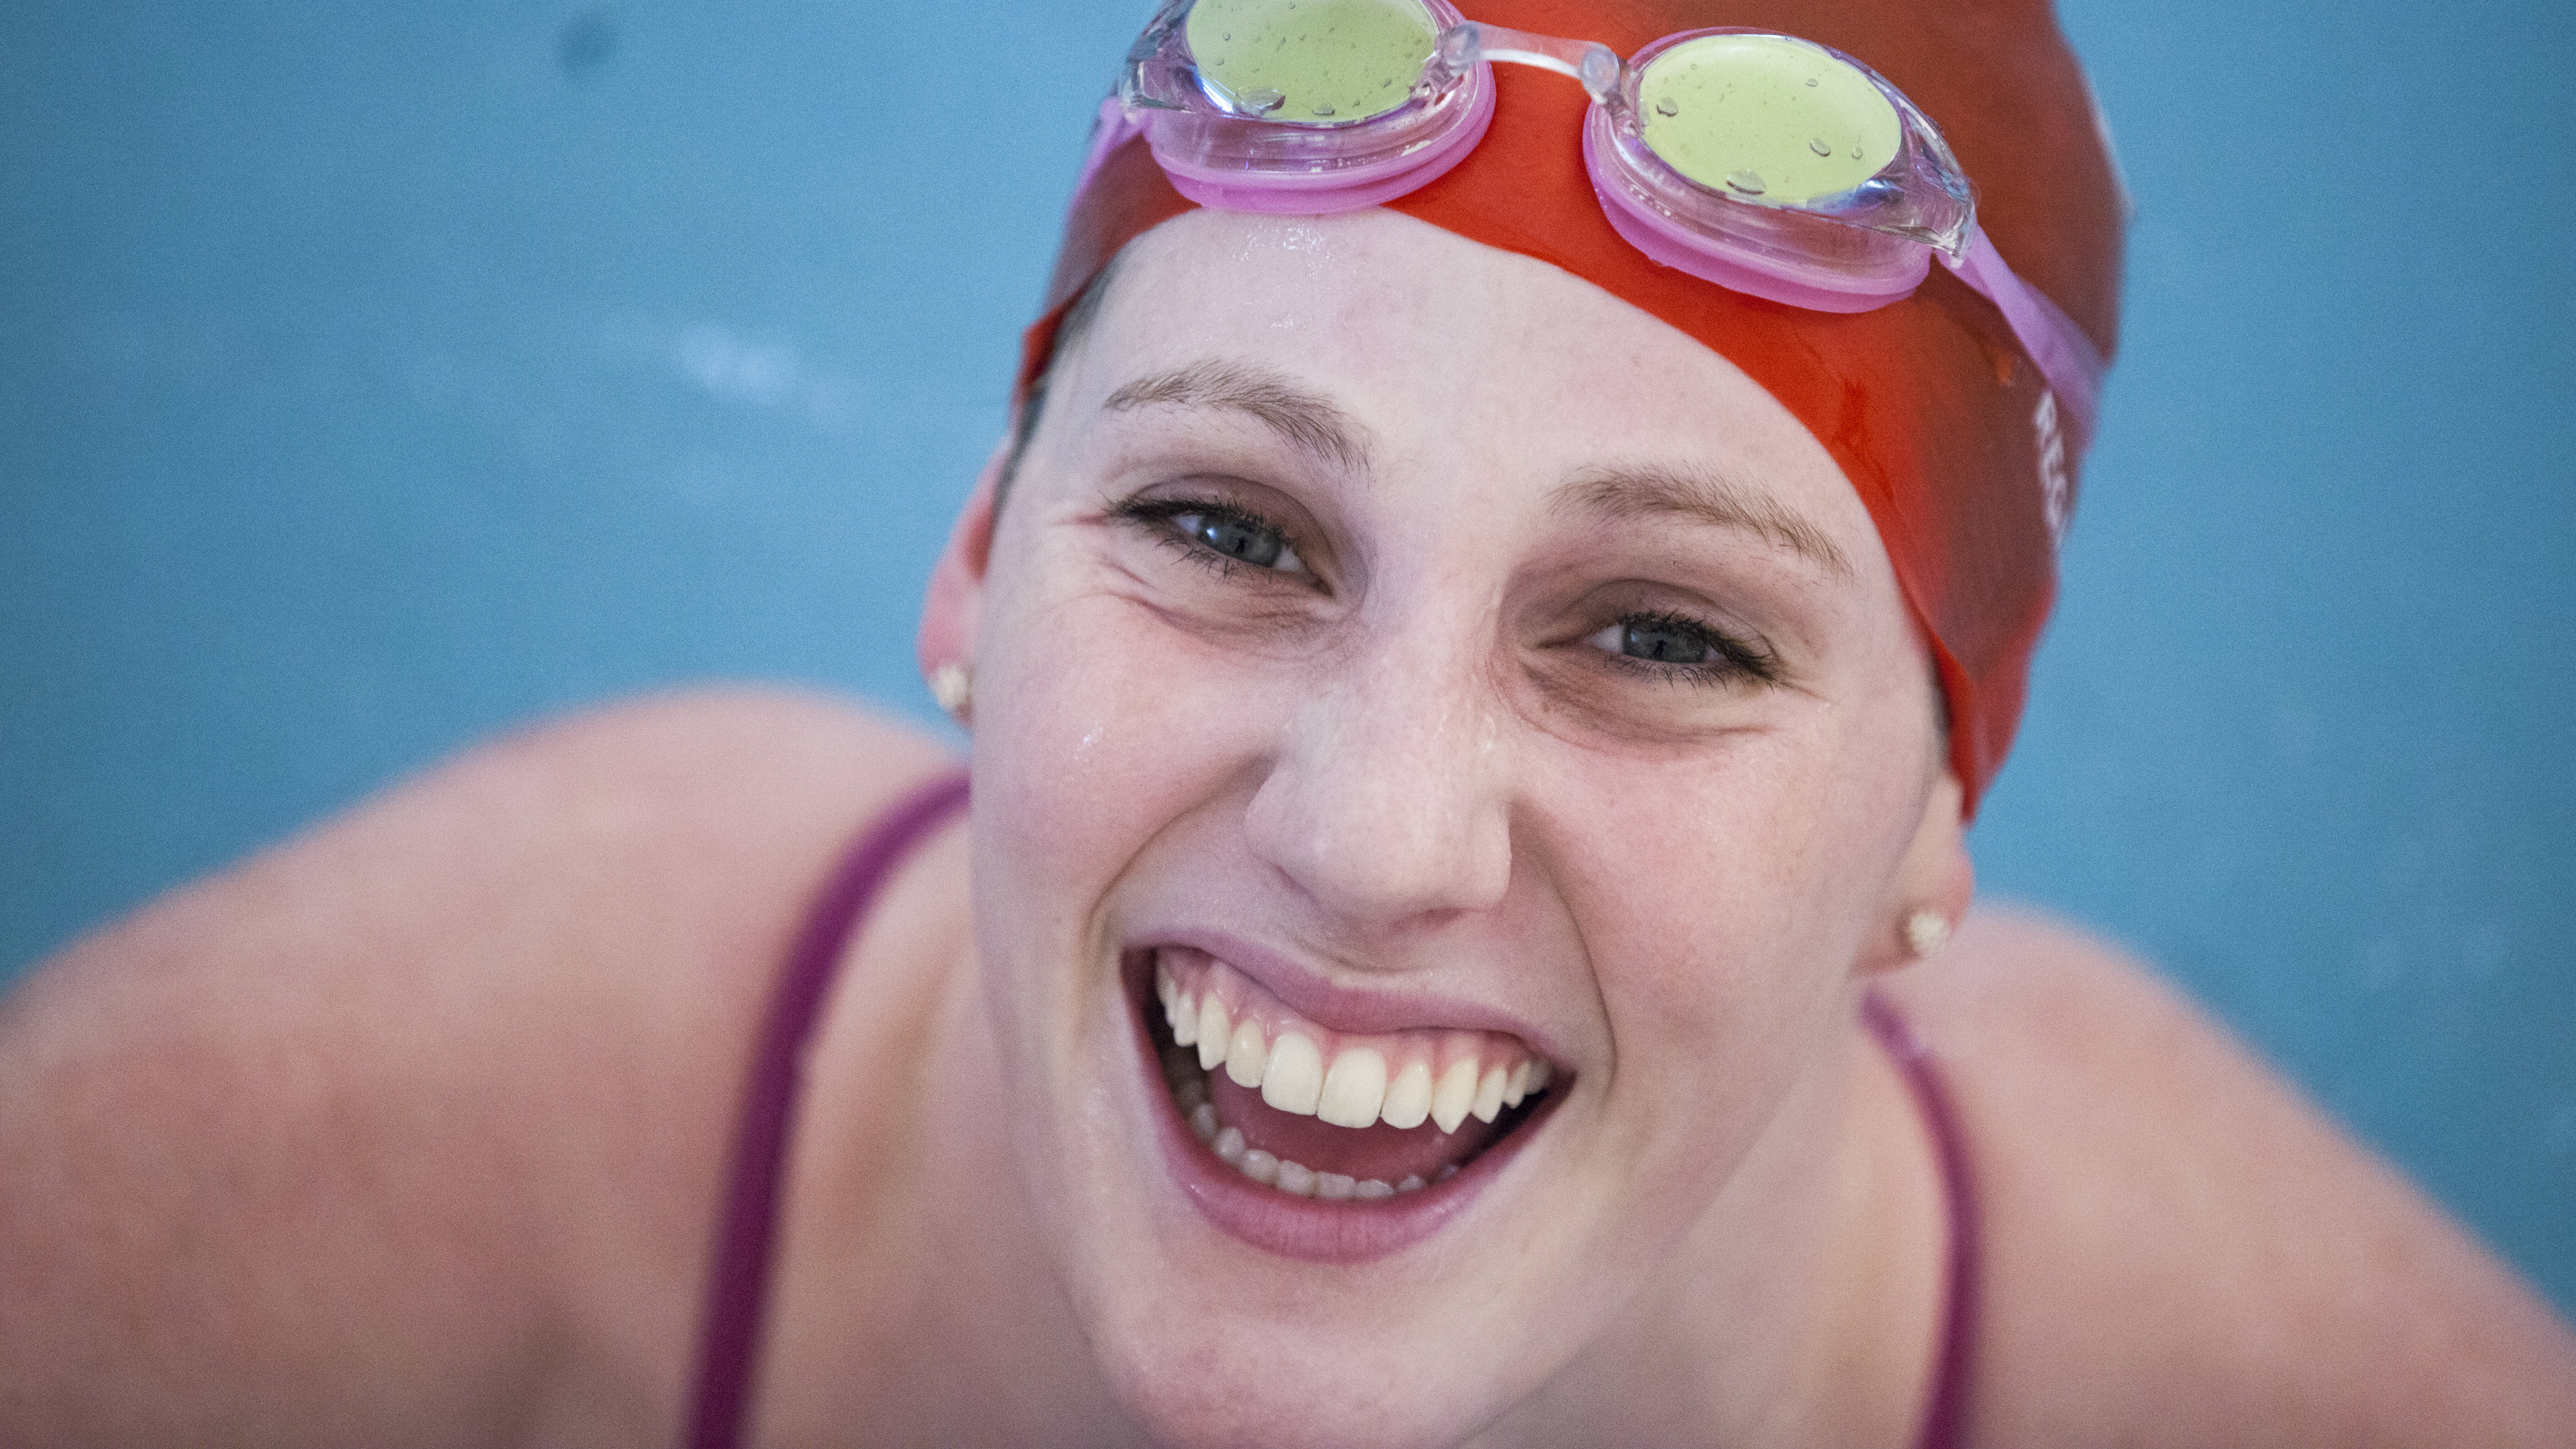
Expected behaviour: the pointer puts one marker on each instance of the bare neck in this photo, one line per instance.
(1804, 1307)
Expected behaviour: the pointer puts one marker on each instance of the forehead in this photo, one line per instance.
(1444, 347)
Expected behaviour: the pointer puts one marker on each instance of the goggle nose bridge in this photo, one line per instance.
(1596, 67)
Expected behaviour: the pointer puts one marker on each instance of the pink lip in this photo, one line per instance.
(1295, 1227)
(1351, 1010)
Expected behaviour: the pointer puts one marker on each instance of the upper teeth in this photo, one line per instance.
(1408, 1097)
(1354, 1089)
(1294, 1080)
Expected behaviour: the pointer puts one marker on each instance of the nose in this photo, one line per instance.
(1388, 799)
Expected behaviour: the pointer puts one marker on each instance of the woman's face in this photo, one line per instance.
(1443, 668)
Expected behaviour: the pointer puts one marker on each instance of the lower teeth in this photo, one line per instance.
(1189, 1089)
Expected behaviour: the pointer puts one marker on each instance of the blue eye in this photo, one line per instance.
(1219, 535)
(1662, 642)
(1245, 540)
(1672, 647)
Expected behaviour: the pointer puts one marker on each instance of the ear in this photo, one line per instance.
(948, 606)
(1936, 875)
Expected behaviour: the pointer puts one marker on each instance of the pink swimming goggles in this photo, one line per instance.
(1766, 164)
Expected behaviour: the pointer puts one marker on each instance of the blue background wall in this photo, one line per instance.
(372, 377)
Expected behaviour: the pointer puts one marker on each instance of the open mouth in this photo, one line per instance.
(1361, 1121)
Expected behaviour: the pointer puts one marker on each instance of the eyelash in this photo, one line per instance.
(1156, 515)
(1734, 661)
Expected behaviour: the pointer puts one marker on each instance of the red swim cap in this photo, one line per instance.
(1928, 405)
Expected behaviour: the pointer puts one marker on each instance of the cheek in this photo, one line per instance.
(1725, 914)
(1091, 736)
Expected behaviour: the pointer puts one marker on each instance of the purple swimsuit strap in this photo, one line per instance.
(738, 1286)
(1945, 1418)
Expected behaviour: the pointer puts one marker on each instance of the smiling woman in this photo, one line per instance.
(1436, 729)
(1477, 679)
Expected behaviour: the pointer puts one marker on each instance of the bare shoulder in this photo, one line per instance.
(413, 1111)
(2180, 1248)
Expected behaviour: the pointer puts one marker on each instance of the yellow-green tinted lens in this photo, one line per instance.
(1332, 61)
(1765, 117)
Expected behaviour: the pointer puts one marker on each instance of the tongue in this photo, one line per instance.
(1389, 1154)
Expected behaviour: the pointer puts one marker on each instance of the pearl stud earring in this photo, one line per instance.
(1926, 931)
(953, 685)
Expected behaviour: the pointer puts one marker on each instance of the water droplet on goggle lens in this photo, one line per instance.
(1747, 116)
(1337, 61)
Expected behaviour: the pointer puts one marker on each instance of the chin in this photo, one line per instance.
(1288, 1391)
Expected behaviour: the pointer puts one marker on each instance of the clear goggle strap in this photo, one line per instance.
(2067, 359)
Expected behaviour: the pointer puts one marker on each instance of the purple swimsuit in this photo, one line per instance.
(746, 1231)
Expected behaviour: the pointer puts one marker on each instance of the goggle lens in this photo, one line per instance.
(1314, 62)
(1765, 118)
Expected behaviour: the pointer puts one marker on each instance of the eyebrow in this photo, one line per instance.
(1625, 493)
(1304, 419)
